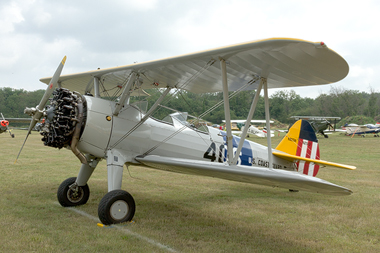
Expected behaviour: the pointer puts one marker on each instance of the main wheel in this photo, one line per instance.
(74, 196)
(116, 206)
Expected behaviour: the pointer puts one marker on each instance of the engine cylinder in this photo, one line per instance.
(61, 118)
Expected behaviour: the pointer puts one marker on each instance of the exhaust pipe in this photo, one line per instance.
(78, 126)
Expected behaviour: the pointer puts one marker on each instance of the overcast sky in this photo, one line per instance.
(36, 34)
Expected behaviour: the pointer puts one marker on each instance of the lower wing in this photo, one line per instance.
(248, 174)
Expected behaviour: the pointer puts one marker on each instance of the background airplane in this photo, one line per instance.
(95, 128)
(4, 123)
(4, 126)
(237, 127)
(362, 130)
(320, 124)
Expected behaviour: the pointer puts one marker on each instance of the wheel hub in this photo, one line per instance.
(119, 209)
(75, 195)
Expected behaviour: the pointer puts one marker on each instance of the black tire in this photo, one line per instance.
(67, 197)
(116, 206)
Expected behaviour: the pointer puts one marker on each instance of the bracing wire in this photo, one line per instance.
(202, 115)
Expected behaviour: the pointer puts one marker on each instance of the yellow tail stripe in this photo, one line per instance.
(290, 141)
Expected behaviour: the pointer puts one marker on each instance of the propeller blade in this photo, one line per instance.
(38, 112)
(52, 85)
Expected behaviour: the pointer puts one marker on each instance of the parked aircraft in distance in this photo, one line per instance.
(237, 126)
(320, 124)
(362, 130)
(4, 123)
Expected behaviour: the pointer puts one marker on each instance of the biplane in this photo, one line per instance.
(320, 124)
(82, 118)
(4, 123)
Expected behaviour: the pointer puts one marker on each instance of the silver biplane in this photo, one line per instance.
(94, 128)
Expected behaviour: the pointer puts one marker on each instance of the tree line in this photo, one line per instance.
(339, 102)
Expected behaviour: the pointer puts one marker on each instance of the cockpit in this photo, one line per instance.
(180, 118)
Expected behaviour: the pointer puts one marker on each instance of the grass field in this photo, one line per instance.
(185, 213)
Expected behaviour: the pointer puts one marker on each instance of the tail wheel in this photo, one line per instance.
(116, 207)
(70, 195)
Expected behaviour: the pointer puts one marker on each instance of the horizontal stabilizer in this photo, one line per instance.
(248, 174)
(294, 158)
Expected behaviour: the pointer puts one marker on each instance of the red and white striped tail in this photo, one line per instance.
(308, 149)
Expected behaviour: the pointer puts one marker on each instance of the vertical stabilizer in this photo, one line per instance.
(301, 141)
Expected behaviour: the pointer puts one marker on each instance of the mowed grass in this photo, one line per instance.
(189, 213)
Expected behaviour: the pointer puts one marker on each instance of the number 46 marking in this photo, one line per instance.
(211, 153)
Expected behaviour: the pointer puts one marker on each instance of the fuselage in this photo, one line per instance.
(174, 137)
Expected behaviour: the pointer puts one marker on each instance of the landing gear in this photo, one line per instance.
(70, 194)
(116, 206)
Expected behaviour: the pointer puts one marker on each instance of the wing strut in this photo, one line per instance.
(96, 87)
(125, 95)
(249, 118)
(227, 114)
(267, 118)
(151, 110)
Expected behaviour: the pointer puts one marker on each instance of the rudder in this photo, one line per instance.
(302, 141)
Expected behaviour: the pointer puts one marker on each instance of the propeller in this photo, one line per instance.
(37, 112)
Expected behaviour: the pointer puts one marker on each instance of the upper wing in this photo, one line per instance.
(19, 120)
(284, 62)
(317, 118)
(255, 175)
(252, 121)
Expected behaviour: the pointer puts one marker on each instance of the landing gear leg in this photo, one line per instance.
(116, 206)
